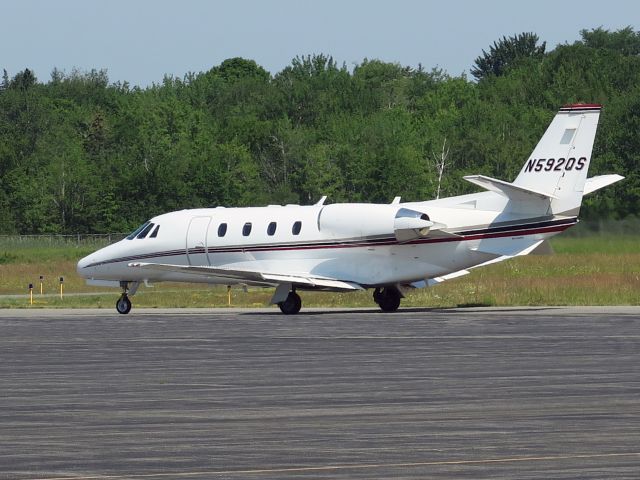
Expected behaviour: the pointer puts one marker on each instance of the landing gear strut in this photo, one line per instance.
(388, 298)
(291, 305)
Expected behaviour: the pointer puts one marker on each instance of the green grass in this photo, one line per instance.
(28, 250)
(34, 255)
(595, 270)
(608, 244)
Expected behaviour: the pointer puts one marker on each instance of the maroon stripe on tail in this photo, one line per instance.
(589, 107)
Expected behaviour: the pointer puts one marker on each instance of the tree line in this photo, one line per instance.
(79, 154)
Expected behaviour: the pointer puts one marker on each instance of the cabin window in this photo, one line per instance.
(154, 234)
(222, 229)
(145, 231)
(271, 229)
(297, 226)
(135, 233)
(246, 230)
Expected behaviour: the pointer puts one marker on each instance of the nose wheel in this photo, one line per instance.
(123, 305)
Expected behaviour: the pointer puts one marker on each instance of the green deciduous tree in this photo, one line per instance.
(80, 154)
(625, 41)
(506, 53)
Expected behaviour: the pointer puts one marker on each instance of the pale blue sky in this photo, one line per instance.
(141, 40)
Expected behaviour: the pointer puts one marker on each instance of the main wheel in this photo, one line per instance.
(123, 305)
(388, 299)
(291, 305)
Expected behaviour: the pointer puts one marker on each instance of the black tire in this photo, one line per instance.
(377, 293)
(123, 305)
(388, 299)
(291, 305)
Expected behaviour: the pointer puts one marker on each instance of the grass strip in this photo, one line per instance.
(598, 270)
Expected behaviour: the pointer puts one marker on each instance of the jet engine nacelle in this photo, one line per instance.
(365, 220)
(411, 224)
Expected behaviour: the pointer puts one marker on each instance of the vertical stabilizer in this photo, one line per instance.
(558, 165)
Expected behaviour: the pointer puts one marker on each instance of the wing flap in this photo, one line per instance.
(450, 276)
(312, 281)
(245, 275)
(206, 271)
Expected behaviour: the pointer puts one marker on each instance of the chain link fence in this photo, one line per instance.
(76, 240)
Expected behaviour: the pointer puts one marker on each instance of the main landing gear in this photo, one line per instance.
(387, 298)
(291, 305)
(123, 305)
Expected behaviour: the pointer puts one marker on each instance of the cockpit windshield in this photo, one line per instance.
(145, 231)
(135, 233)
(142, 231)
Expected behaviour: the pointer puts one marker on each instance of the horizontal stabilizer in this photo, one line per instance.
(600, 181)
(509, 190)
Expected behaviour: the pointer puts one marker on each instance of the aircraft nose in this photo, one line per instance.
(83, 268)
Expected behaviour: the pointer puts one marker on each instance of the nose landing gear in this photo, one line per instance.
(123, 305)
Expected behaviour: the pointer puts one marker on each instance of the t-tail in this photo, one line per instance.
(558, 165)
(554, 178)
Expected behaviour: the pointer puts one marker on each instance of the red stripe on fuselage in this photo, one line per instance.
(510, 233)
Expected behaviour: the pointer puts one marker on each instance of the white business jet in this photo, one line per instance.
(354, 246)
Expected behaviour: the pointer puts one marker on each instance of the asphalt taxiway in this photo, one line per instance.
(471, 393)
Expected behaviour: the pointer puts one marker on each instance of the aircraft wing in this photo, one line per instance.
(429, 282)
(236, 275)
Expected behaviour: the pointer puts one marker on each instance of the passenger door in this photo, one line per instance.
(196, 247)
